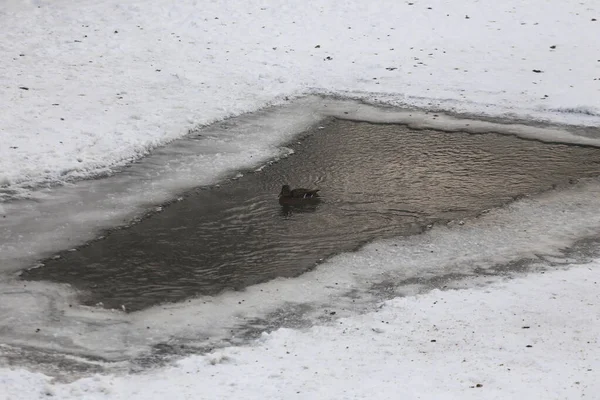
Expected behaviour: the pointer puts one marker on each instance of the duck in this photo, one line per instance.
(296, 196)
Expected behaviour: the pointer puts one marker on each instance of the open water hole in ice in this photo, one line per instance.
(376, 181)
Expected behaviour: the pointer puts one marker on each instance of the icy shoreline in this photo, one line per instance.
(538, 229)
(530, 337)
(90, 86)
(87, 86)
(35, 227)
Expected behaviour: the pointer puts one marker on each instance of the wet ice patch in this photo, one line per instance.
(495, 342)
(346, 284)
(375, 180)
(56, 218)
(449, 123)
(65, 217)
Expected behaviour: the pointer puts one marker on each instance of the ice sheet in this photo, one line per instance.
(533, 228)
(89, 86)
(533, 337)
(66, 216)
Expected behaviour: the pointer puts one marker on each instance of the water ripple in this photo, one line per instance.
(376, 181)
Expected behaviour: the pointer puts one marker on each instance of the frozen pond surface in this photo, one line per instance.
(104, 92)
(376, 180)
(44, 325)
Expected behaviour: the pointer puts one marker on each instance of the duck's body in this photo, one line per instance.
(296, 196)
(299, 193)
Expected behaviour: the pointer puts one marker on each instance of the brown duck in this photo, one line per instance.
(297, 196)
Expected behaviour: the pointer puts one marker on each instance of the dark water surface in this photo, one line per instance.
(376, 181)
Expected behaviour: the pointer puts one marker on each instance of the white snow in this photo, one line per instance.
(533, 337)
(43, 223)
(88, 86)
(108, 81)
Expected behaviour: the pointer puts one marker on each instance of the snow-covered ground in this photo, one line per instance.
(532, 338)
(88, 86)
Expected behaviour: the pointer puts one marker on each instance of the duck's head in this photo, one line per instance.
(285, 191)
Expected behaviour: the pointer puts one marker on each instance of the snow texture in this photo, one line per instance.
(534, 337)
(87, 87)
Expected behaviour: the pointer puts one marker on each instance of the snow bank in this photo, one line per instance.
(536, 229)
(89, 86)
(56, 218)
(533, 337)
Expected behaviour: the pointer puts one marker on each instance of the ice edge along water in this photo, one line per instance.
(533, 337)
(203, 158)
(26, 186)
(530, 228)
(481, 65)
(96, 85)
